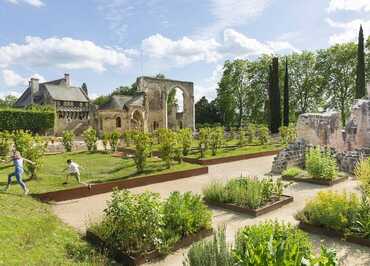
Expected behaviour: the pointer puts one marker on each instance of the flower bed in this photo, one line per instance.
(138, 228)
(247, 195)
(268, 243)
(338, 215)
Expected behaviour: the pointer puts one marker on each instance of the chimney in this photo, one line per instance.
(68, 81)
(34, 85)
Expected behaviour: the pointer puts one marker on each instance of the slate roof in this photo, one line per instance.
(122, 101)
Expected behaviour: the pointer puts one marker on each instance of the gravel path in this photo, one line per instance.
(79, 213)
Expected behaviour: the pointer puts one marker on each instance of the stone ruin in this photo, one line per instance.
(349, 144)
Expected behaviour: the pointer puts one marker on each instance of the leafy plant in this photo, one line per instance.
(288, 134)
(128, 137)
(185, 139)
(241, 137)
(105, 140)
(90, 138)
(113, 140)
(247, 192)
(168, 146)
(215, 252)
(5, 141)
(292, 172)
(142, 149)
(263, 135)
(216, 139)
(67, 140)
(203, 140)
(251, 133)
(321, 164)
(362, 173)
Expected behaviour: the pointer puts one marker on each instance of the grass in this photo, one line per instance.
(31, 235)
(228, 151)
(295, 172)
(95, 168)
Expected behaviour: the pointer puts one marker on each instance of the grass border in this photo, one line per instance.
(100, 188)
(124, 259)
(315, 229)
(253, 212)
(316, 181)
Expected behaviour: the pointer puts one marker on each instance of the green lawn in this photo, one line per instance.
(31, 235)
(234, 151)
(95, 168)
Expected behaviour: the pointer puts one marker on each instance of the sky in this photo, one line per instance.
(109, 43)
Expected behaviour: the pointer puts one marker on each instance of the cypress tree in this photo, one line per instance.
(269, 90)
(275, 97)
(286, 94)
(360, 78)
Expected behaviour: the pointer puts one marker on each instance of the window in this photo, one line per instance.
(155, 125)
(118, 122)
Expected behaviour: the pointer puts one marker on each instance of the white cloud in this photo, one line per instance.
(35, 3)
(231, 13)
(349, 30)
(65, 53)
(3, 94)
(238, 44)
(12, 79)
(350, 5)
(182, 51)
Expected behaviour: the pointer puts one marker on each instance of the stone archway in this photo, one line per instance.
(137, 121)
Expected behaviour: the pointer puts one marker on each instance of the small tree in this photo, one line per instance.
(251, 133)
(203, 141)
(185, 139)
(142, 143)
(113, 140)
(5, 138)
(263, 135)
(105, 140)
(128, 137)
(241, 137)
(168, 147)
(31, 147)
(67, 140)
(90, 138)
(216, 139)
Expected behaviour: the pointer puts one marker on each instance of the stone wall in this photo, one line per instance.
(293, 155)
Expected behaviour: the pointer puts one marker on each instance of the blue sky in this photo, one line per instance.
(109, 43)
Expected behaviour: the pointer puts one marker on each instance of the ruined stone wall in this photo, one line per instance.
(293, 155)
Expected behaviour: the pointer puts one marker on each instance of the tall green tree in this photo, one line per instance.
(337, 69)
(275, 97)
(206, 112)
(360, 69)
(286, 94)
(8, 101)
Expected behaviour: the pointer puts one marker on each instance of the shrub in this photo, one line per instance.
(251, 133)
(168, 146)
(330, 209)
(186, 214)
(216, 139)
(36, 121)
(128, 137)
(5, 142)
(90, 138)
(241, 137)
(288, 134)
(362, 173)
(263, 135)
(246, 192)
(67, 140)
(132, 222)
(273, 243)
(113, 140)
(142, 149)
(321, 164)
(105, 140)
(292, 172)
(32, 148)
(185, 139)
(215, 252)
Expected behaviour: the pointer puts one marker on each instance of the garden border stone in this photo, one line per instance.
(316, 181)
(94, 189)
(253, 212)
(314, 229)
(128, 260)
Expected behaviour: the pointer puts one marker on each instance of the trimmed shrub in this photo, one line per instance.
(292, 172)
(321, 164)
(216, 139)
(251, 133)
(263, 135)
(30, 120)
(142, 149)
(67, 140)
(168, 146)
(90, 138)
(203, 140)
(113, 140)
(185, 139)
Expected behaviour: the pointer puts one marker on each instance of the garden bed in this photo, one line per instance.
(270, 206)
(94, 189)
(316, 181)
(231, 158)
(314, 229)
(128, 260)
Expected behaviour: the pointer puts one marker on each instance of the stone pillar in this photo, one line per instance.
(67, 79)
(34, 86)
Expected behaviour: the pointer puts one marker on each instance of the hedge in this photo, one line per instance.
(32, 120)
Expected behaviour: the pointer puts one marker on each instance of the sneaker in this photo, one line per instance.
(26, 192)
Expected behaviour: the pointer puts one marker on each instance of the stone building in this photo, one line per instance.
(148, 109)
(71, 103)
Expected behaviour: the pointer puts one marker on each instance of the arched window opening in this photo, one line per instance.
(175, 100)
(118, 122)
(155, 125)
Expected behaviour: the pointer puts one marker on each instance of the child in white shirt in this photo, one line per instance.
(73, 170)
